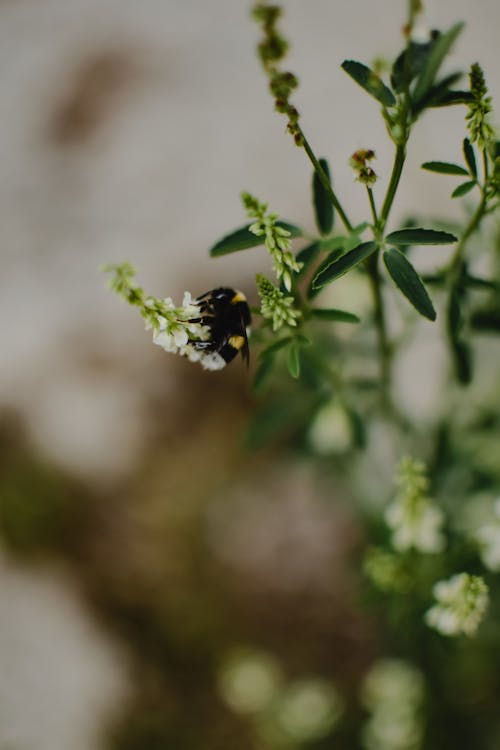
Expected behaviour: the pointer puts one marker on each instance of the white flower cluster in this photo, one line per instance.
(178, 330)
(393, 692)
(415, 520)
(462, 601)
(488, 539)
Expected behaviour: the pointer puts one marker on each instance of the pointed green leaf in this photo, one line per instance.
(242, 239)
(469, 156)
(341, 266)
(443, 167)
(441, 94)
(262, 374)
(333, 256)
(274, 347)
(418, 236)
(409, 282)
(323, 208)
(464, 188)
(449, 98)
(333, 313)
(440, 48)
(486, 319)
(293, 360)
(409, 64)
(370, 81)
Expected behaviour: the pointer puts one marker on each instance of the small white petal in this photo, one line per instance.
(213, 361)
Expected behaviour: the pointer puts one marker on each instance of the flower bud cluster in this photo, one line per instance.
(275, 305)
(415, 520)
(359, 162)
(272, 49)
(480, 129)
(276, 239)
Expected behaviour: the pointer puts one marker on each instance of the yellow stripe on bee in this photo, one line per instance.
(238, 297)
(236, 342)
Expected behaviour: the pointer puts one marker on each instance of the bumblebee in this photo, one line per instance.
(226, 313)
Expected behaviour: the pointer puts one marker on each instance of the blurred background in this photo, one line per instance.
(157, 580)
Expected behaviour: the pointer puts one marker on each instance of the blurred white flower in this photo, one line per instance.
(417, 523)
(415, 520)
(331, 430)
(249, 680)
(488, 539)
(308, 710)
(462, 601)
(393, 691)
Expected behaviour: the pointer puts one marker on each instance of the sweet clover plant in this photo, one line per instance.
(430, 568)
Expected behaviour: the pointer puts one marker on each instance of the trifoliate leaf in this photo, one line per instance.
(370, 81)
(409, 282)
(242, 239)
(418, 236)
(323, 208)
(443, 167)
(341, 266)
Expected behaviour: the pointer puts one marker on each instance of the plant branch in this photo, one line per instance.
(325, 181)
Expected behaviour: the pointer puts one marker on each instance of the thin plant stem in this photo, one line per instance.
(372, 207)
(397, 169)
(325, 182)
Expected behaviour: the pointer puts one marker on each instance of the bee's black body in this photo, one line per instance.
(226, 313)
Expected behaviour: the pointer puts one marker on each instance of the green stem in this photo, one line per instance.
(373, 207)
(384, 347)
(325, 182)
(397, 168)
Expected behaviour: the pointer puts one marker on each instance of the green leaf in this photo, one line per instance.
(293, 360)
(262, 374)
(333, 256)
(409, 64)
(334, 313)
(449, 98)
(307, 256)
(370, 81)
(418, 236)
(464, 188)
(440, 48)
(323, 208)
(242, 239)
(409, 282)
(274, 347)
(469, 156)
(486, 320)
(441, 95)
(341, 266)
(444, 167)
